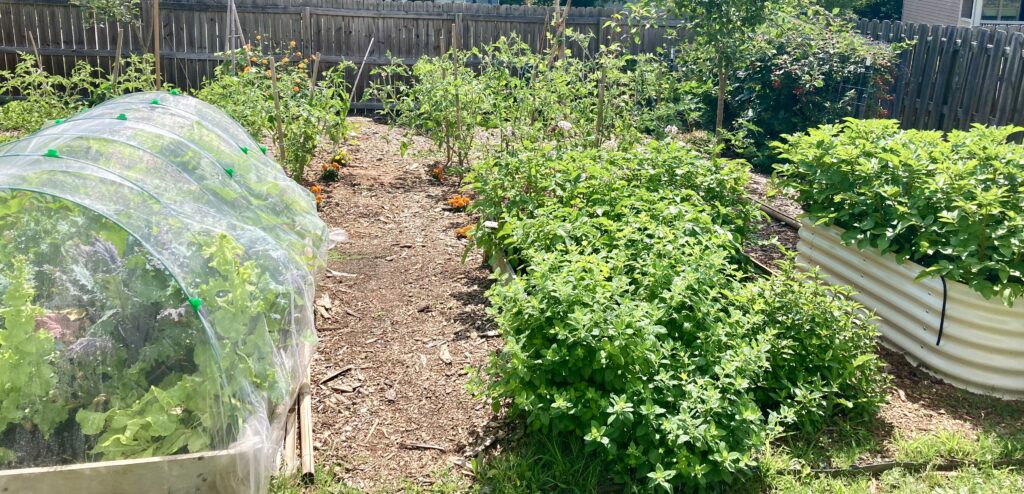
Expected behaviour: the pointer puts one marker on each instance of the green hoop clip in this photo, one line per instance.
(58, 121)
(196, 303)
(154, 101)
(230, 172)
(175, 92)
(52, 153)
(263, 148)
(245, 150)
(122, 116)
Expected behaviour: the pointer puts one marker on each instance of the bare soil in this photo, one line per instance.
(405, 324)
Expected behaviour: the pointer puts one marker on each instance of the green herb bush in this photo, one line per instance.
(634, 323)
(949, 203)
(511, 187)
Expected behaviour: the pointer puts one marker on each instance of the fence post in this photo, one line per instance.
(307, 32)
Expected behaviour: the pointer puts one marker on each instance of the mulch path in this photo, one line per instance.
(405, 320)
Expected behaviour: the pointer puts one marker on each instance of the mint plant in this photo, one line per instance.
(635, 324)
(949, 203)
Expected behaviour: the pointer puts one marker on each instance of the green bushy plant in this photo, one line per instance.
(634, 325)
(511, 187)
(439, 97)
(45, 97)
(309, 111)
(949, 203)
(27, 371)
(613, 99)
(805, 69)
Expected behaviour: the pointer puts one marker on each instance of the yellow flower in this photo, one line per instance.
(292, 44)
(258, 37)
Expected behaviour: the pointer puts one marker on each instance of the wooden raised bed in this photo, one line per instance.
(226, 471)
(982, 341)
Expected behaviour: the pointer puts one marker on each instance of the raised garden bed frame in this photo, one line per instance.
(943, 326)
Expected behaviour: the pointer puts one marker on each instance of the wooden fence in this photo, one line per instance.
(954, 76)
(193, 31)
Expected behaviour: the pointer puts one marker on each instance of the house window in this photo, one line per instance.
(967, 9)
(1001, 10)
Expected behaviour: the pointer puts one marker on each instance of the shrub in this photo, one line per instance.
(612, 99)
(438, 97)
(809, 70)
(634, 325)
(951, 204)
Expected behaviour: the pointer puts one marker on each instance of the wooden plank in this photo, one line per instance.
(227, 471)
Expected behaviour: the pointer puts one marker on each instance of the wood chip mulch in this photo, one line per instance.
(404, 325)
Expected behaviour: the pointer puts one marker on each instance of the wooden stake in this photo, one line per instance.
(316, 73)
(156, 41)
(600, 107)
(291, 429)
(306, 429)
(35, 50)
(116, 71)
(277, 111)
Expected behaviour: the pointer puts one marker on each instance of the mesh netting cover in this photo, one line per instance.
(156, 288)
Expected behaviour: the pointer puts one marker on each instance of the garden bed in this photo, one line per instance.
(982, 342)
(238, 469)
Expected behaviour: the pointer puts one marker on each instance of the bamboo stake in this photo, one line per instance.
(156, 41)
(359, 75)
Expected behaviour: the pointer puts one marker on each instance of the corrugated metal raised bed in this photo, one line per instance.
(962, 338)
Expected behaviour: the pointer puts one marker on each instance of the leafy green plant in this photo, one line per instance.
(949, 203)
(444, 100)
(306, 111)
(634, 325)
(27, 374)
(512, 187)
(44, 97)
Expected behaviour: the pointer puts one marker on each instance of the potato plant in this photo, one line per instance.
(949, 203)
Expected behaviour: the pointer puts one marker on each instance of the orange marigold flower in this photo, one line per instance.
(295, 89)
(268, 73)
(438, 172)
(459, 201)
(315, 189)
(464, 231)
